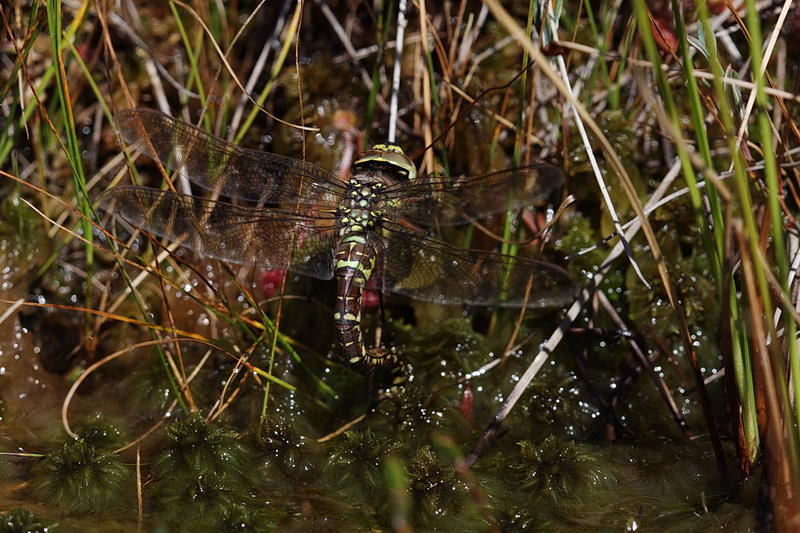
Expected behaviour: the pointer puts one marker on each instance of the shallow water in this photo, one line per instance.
(547, 468)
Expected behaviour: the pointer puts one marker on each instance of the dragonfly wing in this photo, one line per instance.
(444, 201)
(224, 168)
(427, 269)
(270, 238)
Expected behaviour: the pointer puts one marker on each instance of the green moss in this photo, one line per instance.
(691, 277)
(246, 518)
(196, 447)
(100, 432)
(197, 499)
(514, 515)
(414, 414)
(580, 237)
(439, 496)
(285, 452)
(555, 402)
(24, 521)
(558, 469)
(446, 349)
(79, 478)
(356, 464)
(201, 471)
(148, 387)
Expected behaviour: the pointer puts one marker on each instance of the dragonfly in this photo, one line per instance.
(365, 231)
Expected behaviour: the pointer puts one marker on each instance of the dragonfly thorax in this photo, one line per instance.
(359, 214)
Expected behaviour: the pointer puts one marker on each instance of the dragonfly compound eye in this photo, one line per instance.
(389, 154)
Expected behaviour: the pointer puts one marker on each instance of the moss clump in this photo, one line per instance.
(245, 518)
(446, 348)
(285, 452)
(558, 469)
(79, 478)
(100, 432)
(195, 447)
(201, 471)
(555, 403)
(414, 414)
(356, 465)
(23, 521)
(198, 500)
(440, 497)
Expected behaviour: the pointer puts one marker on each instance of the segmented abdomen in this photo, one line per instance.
(355, 261)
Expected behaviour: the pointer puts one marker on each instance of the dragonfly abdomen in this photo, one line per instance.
(355, 261)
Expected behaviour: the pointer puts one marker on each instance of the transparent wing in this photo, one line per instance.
(427, 269)
(445, 201)
(271, 238)
(224, 168)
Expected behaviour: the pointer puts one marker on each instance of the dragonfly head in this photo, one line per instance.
(389, 156)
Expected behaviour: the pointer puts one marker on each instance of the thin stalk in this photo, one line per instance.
(740, 346)
(713, 245)
(398, 63)
(194, 71)
(787, 459)
(73, 150)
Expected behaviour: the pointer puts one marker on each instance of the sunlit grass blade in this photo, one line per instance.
(73, 146)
